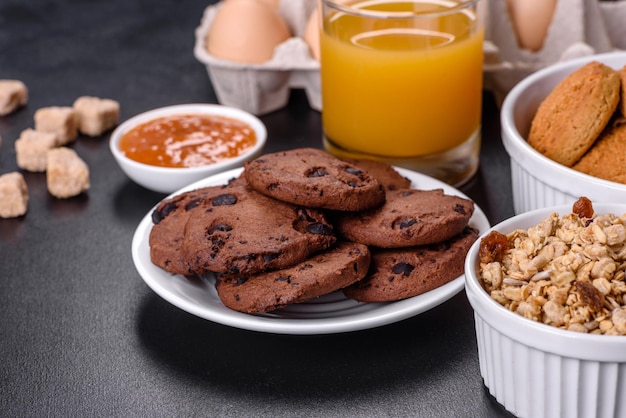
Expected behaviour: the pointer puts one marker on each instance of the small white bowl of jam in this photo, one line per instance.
(170, 147)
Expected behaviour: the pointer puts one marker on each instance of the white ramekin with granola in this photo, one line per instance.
(548, 291)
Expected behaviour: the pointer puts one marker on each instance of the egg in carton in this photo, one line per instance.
(262, 87)
(575, 28)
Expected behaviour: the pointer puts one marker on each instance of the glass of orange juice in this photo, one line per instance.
(402, 83)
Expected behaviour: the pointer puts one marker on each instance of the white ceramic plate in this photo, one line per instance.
(329, 314)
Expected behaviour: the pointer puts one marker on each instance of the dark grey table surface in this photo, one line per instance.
(82, 335)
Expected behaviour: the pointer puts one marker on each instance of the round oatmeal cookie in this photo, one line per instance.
(402, 273)
(573, 115)
(409, 217)
(169, 218)
(314, 178)
(243, 231)
(321, 274)
(607, 158)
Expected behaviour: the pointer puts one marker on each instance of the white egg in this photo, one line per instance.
(246, 31)
(531, 20)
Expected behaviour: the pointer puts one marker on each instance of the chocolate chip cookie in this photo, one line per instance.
(246, 232)
(397, 274)
(409, 217)
(314, 178)
(323, 273)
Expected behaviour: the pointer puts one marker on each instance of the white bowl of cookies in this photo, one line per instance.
(549, 308)
(563, 129)
(170, 147)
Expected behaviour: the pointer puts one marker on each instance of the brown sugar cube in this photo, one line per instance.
(67, 174)
(60, 120)
(13, 195)
(96, 115)
(32, 149)
(13, 94)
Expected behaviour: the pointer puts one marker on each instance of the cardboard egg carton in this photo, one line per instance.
(578, 28)
(263, 88)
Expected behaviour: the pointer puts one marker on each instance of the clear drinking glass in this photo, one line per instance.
(402, 83)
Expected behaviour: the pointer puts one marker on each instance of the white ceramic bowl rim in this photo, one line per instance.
(544, 337)
(203, 108)
(566, 179)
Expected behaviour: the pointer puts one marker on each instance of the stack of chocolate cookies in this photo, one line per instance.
(300, 224)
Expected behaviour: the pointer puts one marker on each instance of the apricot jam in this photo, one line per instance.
(187, 140)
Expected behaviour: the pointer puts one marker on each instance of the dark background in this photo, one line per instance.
(80, 332)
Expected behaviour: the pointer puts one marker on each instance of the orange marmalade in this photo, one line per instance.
(187, 140)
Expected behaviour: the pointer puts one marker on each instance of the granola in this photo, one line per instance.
(566, 271)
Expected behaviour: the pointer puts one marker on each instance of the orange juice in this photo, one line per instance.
(402, 86)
